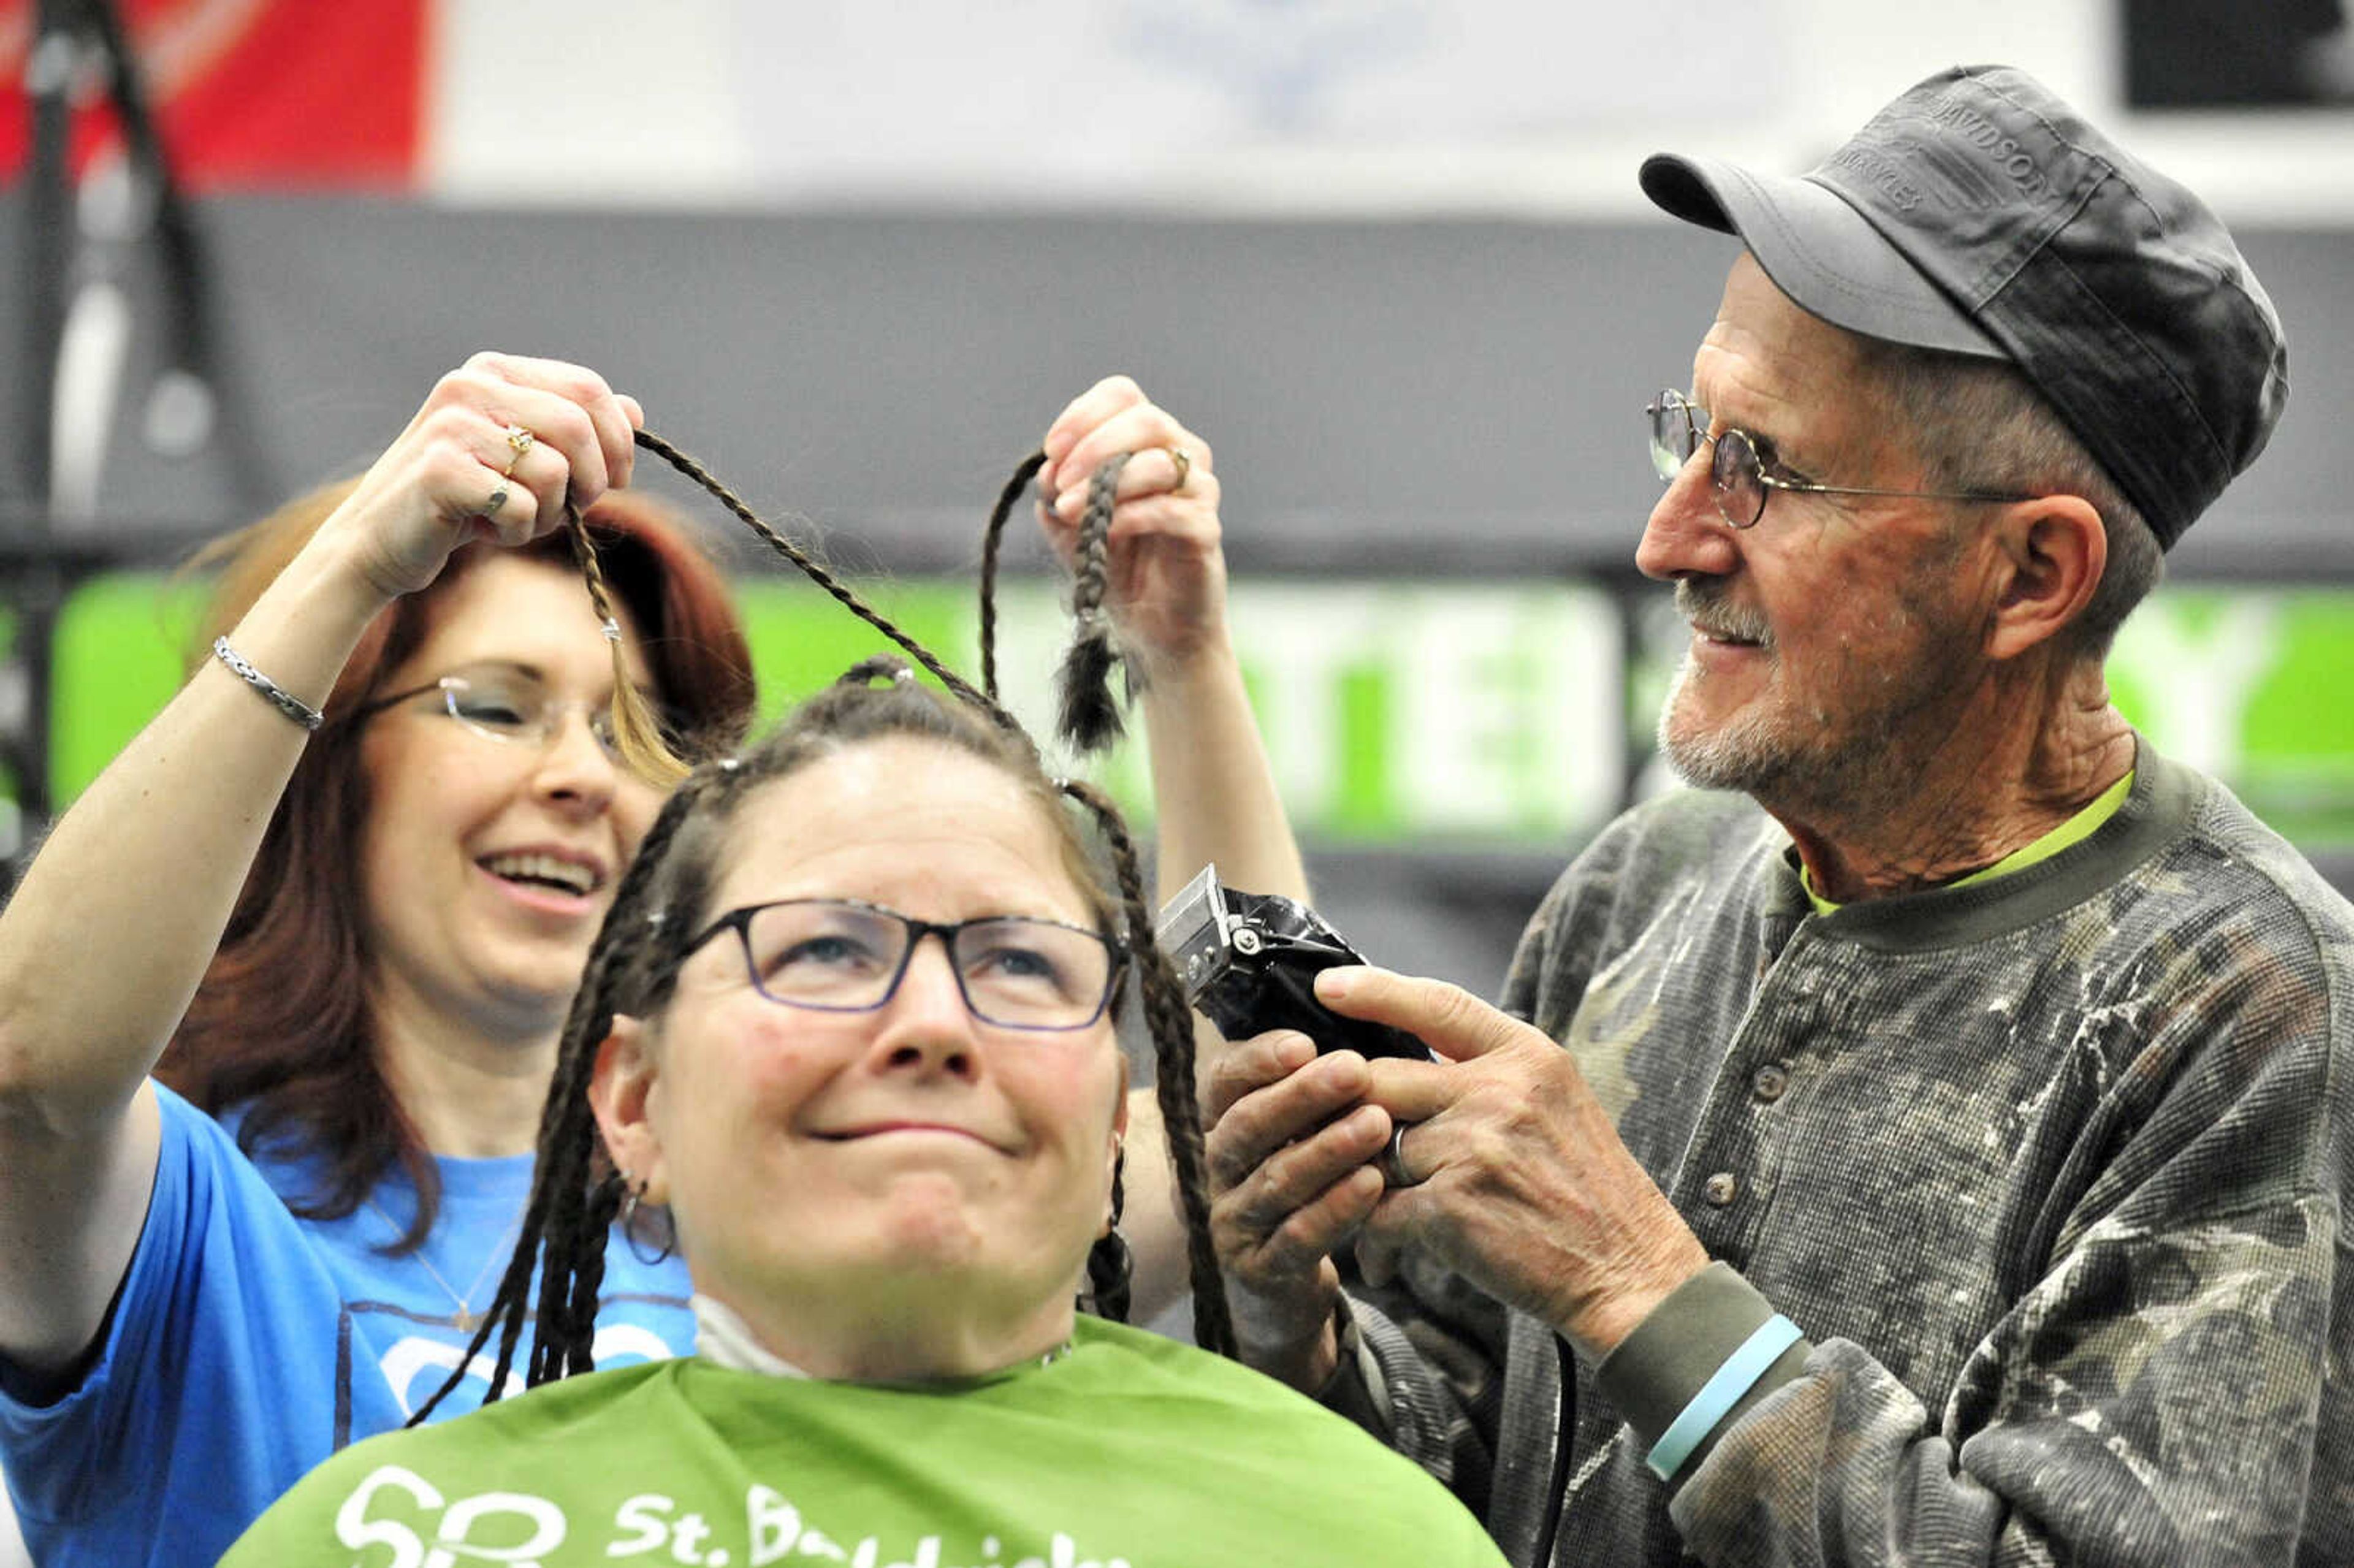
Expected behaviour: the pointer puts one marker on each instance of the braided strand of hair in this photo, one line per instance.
(596, 1216)
(579, 1217)
(820, 575)
(509, 1309)
(553, 1345)
(636, 733)
(1089, 717)
(1171, 1023)
(990, 539)
(1111, 1267)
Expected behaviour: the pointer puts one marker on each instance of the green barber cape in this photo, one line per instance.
(1130, 1452)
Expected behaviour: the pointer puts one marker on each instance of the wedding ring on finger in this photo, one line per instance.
(519, 441)
(1394, 1169)
(1183, 461)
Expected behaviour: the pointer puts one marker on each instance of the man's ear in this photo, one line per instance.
(2053, 551)
(627, 1076)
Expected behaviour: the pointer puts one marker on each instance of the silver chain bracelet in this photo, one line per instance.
(286, 702)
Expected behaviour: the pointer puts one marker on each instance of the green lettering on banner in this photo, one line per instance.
(1450, 714)
(1463, 714)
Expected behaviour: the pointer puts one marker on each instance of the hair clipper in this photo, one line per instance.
(1249, 961)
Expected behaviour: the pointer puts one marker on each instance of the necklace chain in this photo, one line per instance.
(468, 1321)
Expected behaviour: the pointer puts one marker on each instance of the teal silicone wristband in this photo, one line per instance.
(1720, 1393)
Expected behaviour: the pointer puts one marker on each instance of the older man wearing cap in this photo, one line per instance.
(1949, 1154)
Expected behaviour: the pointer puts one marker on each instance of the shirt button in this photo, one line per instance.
(1720, 1188)
(1768, 1082)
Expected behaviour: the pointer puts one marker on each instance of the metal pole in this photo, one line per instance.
(49, 69)
(50, 66)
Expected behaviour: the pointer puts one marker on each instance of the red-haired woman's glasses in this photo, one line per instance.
(1737, 469)
(507, 704)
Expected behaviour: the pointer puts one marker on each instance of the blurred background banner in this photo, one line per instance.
(1150, 100)
(766, 100)
(1383, 106)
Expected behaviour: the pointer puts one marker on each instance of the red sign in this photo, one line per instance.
(249, 93)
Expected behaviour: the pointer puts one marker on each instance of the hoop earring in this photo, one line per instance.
(632, 1194)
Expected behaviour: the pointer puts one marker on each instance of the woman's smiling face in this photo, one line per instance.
(867, 1160)
(486, 865)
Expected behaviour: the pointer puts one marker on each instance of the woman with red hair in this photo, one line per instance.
(336, 899)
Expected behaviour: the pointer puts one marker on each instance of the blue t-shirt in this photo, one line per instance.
(248, 1345)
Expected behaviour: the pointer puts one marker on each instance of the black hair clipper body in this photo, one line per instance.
(1250, 963)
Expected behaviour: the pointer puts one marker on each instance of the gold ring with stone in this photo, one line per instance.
(519, 441)
(1182, 460)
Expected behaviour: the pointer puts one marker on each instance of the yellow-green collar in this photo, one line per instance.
(2075, 831)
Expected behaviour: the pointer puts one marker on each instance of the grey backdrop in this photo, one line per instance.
(1384, 397)
(1361, 381)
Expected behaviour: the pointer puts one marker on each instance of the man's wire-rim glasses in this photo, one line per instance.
(845, 955)
(1737, 468)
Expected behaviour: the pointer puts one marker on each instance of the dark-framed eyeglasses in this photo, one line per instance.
(1738, 468)
(504, 704)
(845, 955)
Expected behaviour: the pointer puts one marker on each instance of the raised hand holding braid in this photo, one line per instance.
(496, 450)
(1165, 568)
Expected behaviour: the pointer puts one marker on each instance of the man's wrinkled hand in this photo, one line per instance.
(1519, 1181)
(1291, 1149)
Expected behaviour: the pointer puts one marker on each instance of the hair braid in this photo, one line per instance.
(577, 1209)
(990, 538)
(582, 1207)
(602, 1207)
(817, 574)
(1171, 1023)
(1089, 718)
(510, 1309)
(637, 734)
(1111, 1267)
(556, 1341)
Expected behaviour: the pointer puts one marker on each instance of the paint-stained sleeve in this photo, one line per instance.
(2157, 1396)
